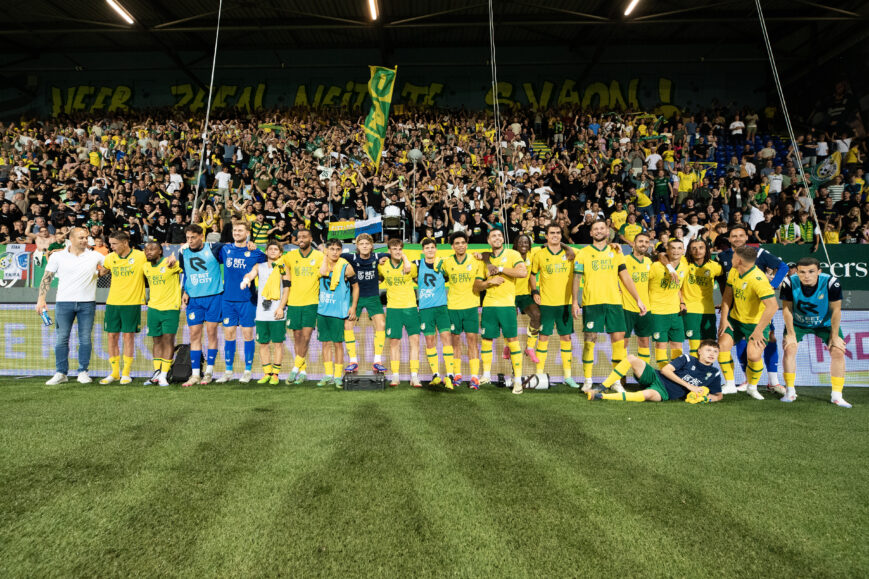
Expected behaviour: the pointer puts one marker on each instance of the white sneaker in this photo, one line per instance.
(840, 402)
(517, 386)
(161, 381)
(752, 391)
(617, 387)
(84, 378)
(742, 387)
(728, 389)
(126, 380)
(224, 378)
(58, 378)
(108, 379)
(588, 386)
(246, 377)
(206, 378)
(778, 389)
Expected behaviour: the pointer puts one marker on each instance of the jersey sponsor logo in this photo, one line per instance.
(197, 263)
(429, 279)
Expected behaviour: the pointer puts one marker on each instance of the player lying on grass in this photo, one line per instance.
(812, 304)
(689, 377)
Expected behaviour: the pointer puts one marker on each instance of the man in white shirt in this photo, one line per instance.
(76, 271)
(653, 160)
(223, 181)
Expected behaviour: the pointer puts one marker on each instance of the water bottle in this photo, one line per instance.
(46, 319)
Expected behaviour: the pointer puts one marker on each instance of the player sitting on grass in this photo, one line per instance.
(812, 304)
(694, 379)
(339, 294)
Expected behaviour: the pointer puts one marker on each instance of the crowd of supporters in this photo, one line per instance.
(687, 176)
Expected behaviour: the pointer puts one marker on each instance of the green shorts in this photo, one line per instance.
(271, 332)
(637, 324)
(822, 333)
(667, 328)
(162, 322)
(330, 329)
(499, 320)
(523, 301)
(740, 331)
(700, 326)
(434, 320)
(465, 321)
(603, 318)
(123, 319)
(301, 317)
(652, 380)
(558, 317)
(371, 304)
(398, 319)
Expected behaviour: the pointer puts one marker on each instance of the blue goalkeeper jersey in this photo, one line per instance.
(689, 369)
(238, 262)
(366, 273)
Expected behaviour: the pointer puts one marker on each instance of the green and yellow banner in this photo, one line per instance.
(380, 88)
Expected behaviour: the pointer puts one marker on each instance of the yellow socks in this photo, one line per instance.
(304, 367)
(350, 343)
(486, 355)
(158, 363)
(338, 371)
(644, 354)
(531, 342)
(128, 366)
(726, 363)
(675, 353)
(620, 352)
(267, 369)
(474, 363)
(457, 365)
(516, 359)
(619, 372)
(327, 369)
(298, 362)
(448, 359)
(791, 379)
(587, 359)
(542, 352)
(661, 357)
(837, 382)
(414, 365)
(115, 363)
(625, 396)
(165, 365)
(567, 358)
(694, 345)
(753, 372)
(432, 355)
(395, 365)
(275, 369)
(379, 342)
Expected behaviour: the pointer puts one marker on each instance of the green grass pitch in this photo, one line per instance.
(235, 480)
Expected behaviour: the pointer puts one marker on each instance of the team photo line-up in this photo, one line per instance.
(663, 300)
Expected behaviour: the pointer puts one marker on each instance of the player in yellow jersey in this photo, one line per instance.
(498, 279)
(124, 303)
(401, 312)
(747, 307)
(638, 265)
(666, 303)
(463, 304)
(164, 308)
(602, 270)
(699, 319)
(303, 266)
(551, 292)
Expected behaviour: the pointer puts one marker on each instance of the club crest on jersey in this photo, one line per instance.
(693, 367)
(820, 297)
(744, 285)
(708, 374)
(313, 261)
(162, 270)
(469, 267)
(131, 261)
(611, 255)
(707, 273)
(247, 254)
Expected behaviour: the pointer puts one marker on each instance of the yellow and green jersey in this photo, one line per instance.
(697, 291)
(749, 291)
(503, 295)
(128, 278)
(522, 288)
(630, 231)
(304, 276)
(618, 218)
(400, 292)
(638, 269)
(600, 272)
(462, 275)
(555, 277)
(663, 291)
(164, 282)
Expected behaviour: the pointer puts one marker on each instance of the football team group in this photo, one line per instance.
(664, 300)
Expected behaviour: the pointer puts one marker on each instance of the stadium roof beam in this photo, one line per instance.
(827, 7)
(683, 11)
